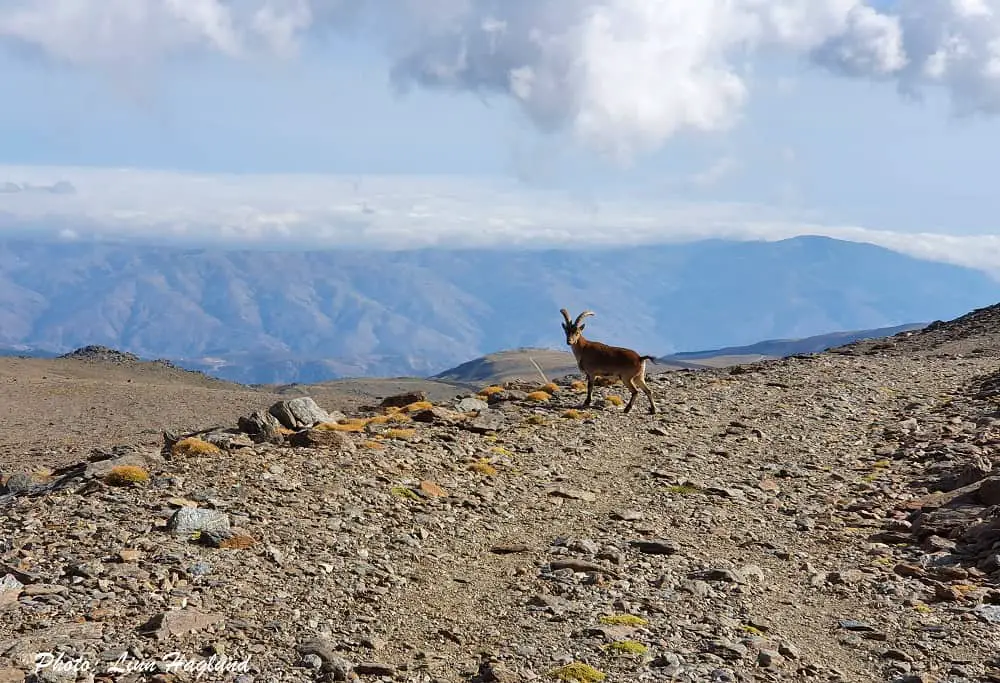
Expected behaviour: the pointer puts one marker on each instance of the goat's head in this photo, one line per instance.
(574, 328)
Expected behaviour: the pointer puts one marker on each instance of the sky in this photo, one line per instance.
(449, 122)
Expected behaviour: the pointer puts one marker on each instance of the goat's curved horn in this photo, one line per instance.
(582, 316)
(565, 315)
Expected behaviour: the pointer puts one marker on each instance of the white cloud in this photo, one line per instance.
(623, 75)
(399, 212)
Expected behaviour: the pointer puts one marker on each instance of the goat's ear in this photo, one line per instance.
(582, 326)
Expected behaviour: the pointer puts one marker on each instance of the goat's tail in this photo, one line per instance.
(652, 358)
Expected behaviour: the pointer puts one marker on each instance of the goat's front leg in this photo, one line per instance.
(590, 391)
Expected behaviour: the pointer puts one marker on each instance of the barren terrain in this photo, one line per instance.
(822, 518)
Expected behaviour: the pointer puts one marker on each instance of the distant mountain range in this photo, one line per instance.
(282, 316)
(520, 363)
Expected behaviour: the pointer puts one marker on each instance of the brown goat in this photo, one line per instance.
(596, 359)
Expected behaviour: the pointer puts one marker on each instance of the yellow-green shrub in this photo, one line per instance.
(577, 672)
(126, 475)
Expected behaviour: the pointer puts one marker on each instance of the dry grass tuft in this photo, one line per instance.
(373, 445)
(535, 420)
(417, 406)
(483, 467)
(615, 400)
(401, 434)
(538, 396)
(490, 390)
(549, 388)
(192, 445)
(126, 475)
(624, 620)
(354, 425)
(573, 414)
(400, 418)
(578, 386)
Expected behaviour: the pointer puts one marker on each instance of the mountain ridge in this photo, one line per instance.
(281, 317)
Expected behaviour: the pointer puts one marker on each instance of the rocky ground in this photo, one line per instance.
(54, 411)
(825, 518)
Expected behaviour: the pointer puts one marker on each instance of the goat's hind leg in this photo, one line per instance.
(641, 382)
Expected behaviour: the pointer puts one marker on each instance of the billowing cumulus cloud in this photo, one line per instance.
(624, 76)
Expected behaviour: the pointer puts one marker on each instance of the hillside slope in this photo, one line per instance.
(827, 517)
(780, 348)
(281, 317)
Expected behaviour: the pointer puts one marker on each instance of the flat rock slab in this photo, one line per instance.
(572, 494)
(178, 622)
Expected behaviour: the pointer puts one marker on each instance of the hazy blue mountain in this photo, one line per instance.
(779, 348)
(303, 316)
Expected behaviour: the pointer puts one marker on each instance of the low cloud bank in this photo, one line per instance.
(399, 212)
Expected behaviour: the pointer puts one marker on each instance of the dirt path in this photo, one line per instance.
(812, 442)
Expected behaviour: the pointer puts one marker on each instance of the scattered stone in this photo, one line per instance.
(19, 482)
(510, 548)
(468, 405)
(229, 539)
(572, 494)
(260, 423)
(374, 669)
(300, 413)
(486, 421)
(189, 521)
(656, 547)
(322, 438)
(431, 490)
(727, 649)
(767, 658)
(580, 566)
(10, 589)
(403, 399)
